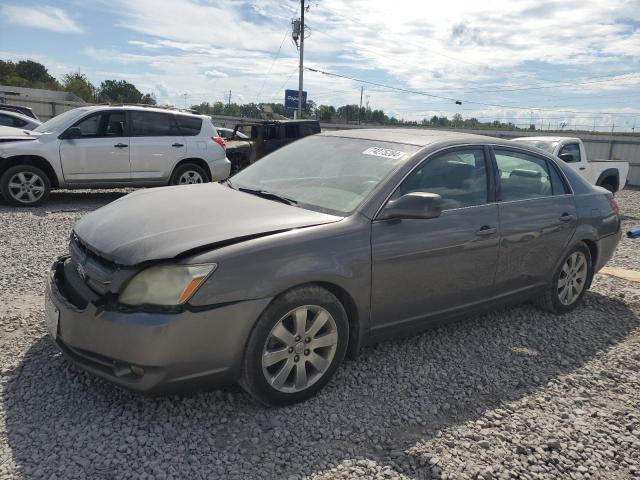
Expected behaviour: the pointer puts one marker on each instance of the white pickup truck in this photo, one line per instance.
(609, 174)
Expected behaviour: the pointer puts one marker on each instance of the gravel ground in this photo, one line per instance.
(514, 394)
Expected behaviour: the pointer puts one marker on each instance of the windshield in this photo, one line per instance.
(546, 145)
(327, 174)
(60, 121)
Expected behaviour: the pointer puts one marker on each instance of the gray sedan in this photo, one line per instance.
(328, 244)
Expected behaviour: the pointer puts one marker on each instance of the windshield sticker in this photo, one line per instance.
(384, 152)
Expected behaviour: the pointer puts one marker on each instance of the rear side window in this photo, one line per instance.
(572, 149)
(153, 124)
(8, 121)
(189, 126)
(557, 185)
(522, 176)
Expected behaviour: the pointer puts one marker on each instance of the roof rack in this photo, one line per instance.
(146, 105)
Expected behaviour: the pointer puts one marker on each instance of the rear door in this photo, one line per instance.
(156, 145)
(101, 154)
(425, 267)
(537, 218)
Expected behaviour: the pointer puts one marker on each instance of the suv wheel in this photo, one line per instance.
(295, 347)
(569, 283)
(189, 173)
(24, 185)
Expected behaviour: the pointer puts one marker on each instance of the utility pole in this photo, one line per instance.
(301, 58)
(229, 101)
(360, 109)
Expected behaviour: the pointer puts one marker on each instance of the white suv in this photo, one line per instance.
(107, 146)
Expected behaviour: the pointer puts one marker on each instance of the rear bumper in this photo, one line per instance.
(606, 247)
(220, 169)
(171, 350)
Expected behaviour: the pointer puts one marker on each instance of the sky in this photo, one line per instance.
(550, 62)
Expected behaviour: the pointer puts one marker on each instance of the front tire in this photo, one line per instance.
(569, 282)
(295, 347)
(24, 185)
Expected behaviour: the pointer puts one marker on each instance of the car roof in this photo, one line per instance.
(420, 137)
(548, 139)
(141, 108)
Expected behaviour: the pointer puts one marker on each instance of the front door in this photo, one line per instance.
(101, 154)
(156, 145)
(537, 219)
(425, 267)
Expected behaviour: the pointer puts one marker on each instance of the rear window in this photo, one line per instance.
(153, 124)
(546, 145)
(189, 126)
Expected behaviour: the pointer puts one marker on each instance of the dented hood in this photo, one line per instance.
(162, 223)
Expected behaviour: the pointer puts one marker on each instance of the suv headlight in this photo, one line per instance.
(165, 284)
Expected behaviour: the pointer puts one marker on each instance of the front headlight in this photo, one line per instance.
(165, 284)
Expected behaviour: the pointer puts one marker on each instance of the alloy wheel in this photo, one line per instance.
(189, 177)
(26, 187)
(573, 278)
(299, 349)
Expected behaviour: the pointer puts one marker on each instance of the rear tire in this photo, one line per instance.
(25, 185)
(569, 283)
(189, 173)
(295, 347)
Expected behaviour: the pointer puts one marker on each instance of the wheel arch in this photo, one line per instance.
(610, 175)
(196, 161)
(33, 160)
(354, 318)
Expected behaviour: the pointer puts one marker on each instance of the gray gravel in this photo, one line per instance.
(514, 394)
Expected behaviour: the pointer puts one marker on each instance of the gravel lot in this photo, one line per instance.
(514, 394)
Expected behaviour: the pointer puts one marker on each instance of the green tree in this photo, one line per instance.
(120, 91)
(36, 74)
(78, 84)
(148, 99)
(326, 113)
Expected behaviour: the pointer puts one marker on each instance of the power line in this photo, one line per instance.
(286, 33)
(416, 92)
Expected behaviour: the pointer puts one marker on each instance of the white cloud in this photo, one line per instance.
(40, 16)
(215, 74)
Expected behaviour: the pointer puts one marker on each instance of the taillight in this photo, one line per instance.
(219, 141)
(614, 205)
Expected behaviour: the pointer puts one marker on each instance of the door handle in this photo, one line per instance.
(486, 231)
(177, 145)
(121, 145)
(565, 217)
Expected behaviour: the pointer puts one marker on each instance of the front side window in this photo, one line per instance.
(153, 124)
(8, 121)
(522, 176)
(459, 177)
(573, 150)
(105, 124)
(290, 131)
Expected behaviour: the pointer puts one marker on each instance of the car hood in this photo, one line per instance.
(10, 134)
(163, 223)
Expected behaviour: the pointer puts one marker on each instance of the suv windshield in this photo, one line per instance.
(326, 174)
(60, 121)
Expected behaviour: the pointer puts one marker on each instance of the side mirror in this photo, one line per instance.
(413, 205)
(567, 157)
(73, 132)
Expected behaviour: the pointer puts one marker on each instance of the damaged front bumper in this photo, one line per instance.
(146, 351)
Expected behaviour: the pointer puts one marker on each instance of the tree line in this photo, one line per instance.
(30, 74)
